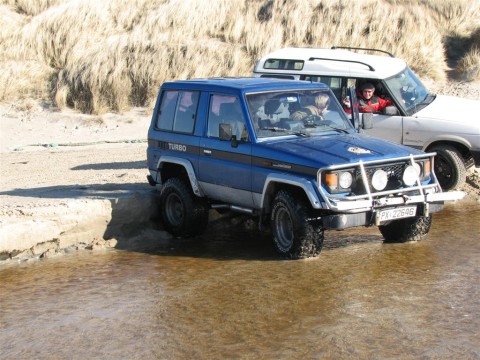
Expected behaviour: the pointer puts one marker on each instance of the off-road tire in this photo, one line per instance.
(449, 167)
(294, 234)
(183, 213)
(406, 230)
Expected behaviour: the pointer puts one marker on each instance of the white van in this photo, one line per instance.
(449, 126)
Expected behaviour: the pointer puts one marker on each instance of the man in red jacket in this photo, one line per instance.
(367, 101)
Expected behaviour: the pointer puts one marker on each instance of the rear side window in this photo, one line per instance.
(275, 76)
(282, 64)
(178, 111)
(167, 110)
(334, 83)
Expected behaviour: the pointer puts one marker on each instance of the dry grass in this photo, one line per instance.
(101, 55)
(469, 65)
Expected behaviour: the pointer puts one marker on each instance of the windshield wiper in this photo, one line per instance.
(337, 129)
(287, 131)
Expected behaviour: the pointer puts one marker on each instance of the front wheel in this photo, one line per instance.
(406, 230)
(183, 214)
(293, 234)
(449, 167)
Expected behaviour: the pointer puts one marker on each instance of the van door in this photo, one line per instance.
(388, 127)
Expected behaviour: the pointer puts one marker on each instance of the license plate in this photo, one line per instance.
(397, 213)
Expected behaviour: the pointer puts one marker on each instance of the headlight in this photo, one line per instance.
(410, 175)
(379, 180)
(345, 180)
(338, 181)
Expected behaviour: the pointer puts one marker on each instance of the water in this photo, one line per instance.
(226, 295)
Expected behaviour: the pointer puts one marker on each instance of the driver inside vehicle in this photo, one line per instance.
(316, 107)
(369, 102)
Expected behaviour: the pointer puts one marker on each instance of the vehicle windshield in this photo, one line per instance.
(408, 90)
(296, 112)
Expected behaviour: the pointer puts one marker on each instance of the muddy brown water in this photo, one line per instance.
(226, 295)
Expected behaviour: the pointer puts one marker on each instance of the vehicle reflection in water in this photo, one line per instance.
(227, 295)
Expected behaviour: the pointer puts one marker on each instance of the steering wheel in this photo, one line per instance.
(409, 94)
(312, 120)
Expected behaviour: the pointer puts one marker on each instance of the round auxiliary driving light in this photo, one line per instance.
(379, 180)
(410, 175)
(345, 180)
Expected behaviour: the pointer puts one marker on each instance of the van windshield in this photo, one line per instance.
(408, 90)
(298, 112)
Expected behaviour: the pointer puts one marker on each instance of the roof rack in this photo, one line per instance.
(370, 67)
(367, 49)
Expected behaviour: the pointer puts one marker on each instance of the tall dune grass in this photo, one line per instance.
(469, 65)
(102, 55)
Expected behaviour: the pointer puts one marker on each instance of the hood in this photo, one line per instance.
(452, 109)
(322, 151)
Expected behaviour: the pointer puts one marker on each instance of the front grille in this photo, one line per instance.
(394, 172)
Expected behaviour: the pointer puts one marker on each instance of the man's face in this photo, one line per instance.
(367, 93)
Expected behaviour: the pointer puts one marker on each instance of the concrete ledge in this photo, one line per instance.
(63, 225)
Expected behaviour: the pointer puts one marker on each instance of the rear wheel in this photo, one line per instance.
(293, 234)
(406, 230)
(449, 167)
(183, 213)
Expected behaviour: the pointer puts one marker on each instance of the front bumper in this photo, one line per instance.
(356, 206)
(345, 221)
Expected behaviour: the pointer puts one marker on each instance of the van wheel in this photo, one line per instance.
(449, 167)
(293, 234)
(406, 230)
(183, 213)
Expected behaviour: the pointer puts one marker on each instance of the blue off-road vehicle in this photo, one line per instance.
(286, 153)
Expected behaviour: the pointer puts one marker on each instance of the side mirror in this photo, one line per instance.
(391, 110)
(225, 131)
(367, 121)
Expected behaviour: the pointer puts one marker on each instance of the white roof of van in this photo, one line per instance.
(343, 63)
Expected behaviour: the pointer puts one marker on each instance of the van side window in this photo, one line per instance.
(276, 76)
(177, 111)
(283, 64)
(334, 83)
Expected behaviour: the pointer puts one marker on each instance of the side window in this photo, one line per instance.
(334, 83)
(276, 76)
(177, 111)
(226, 110)
(186, 110)
(167, 110)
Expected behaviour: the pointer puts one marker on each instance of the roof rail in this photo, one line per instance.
(370, 67)
(367, 49)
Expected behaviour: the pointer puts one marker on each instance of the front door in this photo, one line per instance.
(388, 127)
(225, 166)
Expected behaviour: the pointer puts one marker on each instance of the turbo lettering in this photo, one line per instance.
(177, 147)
